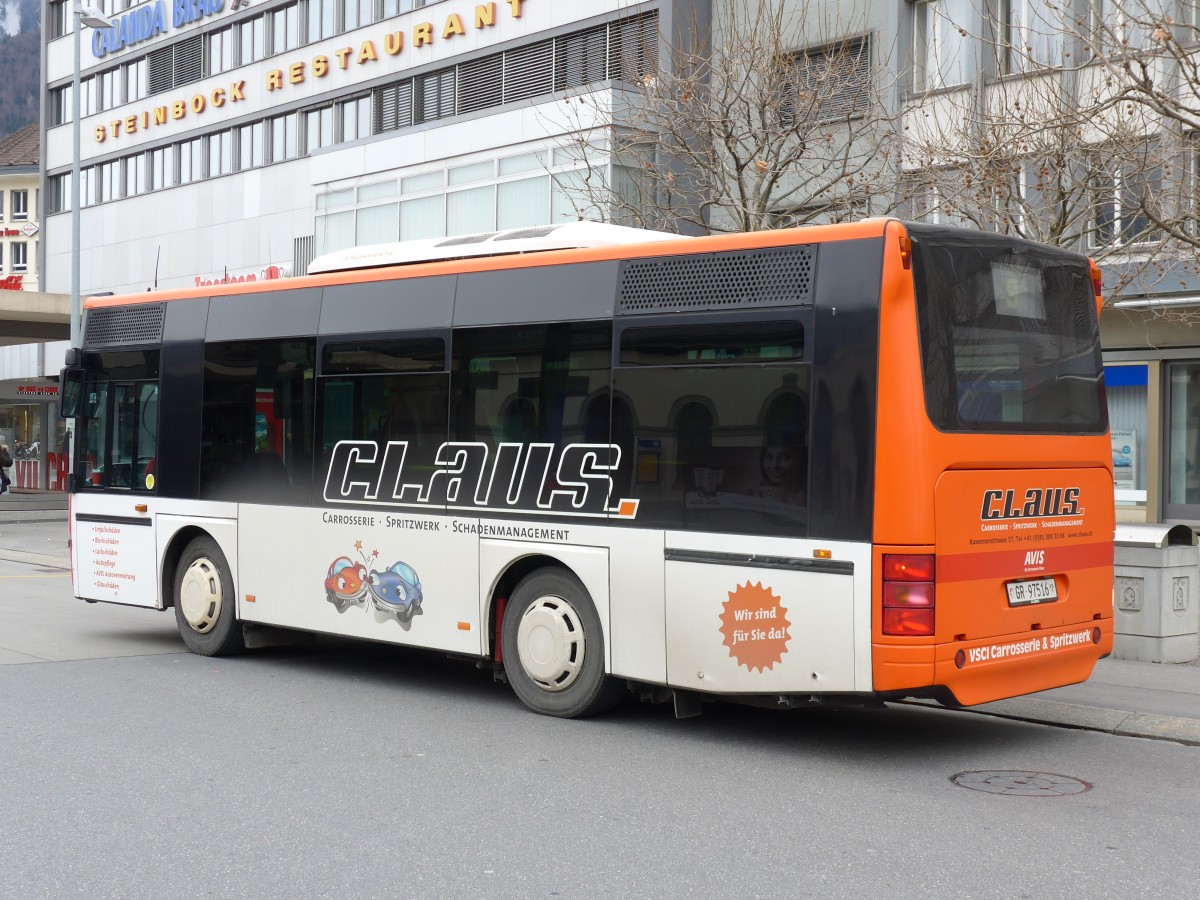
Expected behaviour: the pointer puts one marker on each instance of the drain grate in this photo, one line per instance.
(1021, 784)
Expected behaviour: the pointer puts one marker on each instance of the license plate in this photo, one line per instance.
(1027, 593)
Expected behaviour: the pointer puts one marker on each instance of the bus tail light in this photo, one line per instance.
(908, 594)
(1097, 285)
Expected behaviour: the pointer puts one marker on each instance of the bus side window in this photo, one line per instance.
(722, 417)
(526, 384)
(257, 423)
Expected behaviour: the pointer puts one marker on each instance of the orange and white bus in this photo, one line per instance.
(838, 464)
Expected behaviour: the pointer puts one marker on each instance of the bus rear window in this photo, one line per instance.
(1010, 340)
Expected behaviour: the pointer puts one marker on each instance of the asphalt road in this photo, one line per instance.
(129, 768)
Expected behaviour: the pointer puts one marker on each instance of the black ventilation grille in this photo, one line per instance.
(776, 277)
(125, 325)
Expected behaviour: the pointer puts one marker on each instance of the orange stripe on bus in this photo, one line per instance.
(1013, 563)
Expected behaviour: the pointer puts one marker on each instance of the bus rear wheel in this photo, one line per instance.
(205, 610)
(554, 647)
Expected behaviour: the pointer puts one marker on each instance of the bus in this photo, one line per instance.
(842, 464)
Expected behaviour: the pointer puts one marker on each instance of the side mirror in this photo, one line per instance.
(71, 392)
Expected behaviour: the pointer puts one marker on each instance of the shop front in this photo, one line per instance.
(34, 433)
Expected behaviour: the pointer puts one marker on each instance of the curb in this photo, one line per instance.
(17, 516)
(1119, 722)
(38, 559)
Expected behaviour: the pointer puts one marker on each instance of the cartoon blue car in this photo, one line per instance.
(396, 591)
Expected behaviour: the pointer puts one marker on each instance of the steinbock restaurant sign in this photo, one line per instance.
(150, 20)
(296, 72)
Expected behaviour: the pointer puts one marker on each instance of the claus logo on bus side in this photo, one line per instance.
(1036, 503)
(546, 479)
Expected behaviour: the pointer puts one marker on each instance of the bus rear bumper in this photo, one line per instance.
(974, 672)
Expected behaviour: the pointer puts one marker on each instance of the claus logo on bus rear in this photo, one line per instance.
(1036, 503)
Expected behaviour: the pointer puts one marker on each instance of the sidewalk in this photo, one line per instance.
(33, 529)
(20, 505)
(1122, 697)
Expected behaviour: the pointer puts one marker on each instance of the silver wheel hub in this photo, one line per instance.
(200, 595)
(550, 643)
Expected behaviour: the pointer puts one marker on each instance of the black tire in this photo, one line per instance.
(553, 647)
(205, 606)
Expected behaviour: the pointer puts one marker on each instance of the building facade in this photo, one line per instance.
(19, 219)
(226, 141)
(29, 422)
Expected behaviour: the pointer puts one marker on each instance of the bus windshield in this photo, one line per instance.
(1009, 335)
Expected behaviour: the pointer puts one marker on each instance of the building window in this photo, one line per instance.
(334, 223)
(59, 106)
(1126, 386)
(220, 51)
(191, 161)
(110, 181)
(59, 19)
(828, 84)
(136, 84)
(1123, 194)
(135, 175)
(1035, 31)
(111, 89)
(253, 40)
(284, 137)
(20, 205)
(941, 51)
(322, 19)
(159, 169)
(355, 118)
(358, 13)
(285, 29)
(938, 203)
(1183, 442)
(20, 256)
(396, 7)
(87, 186)
(1120, 26)
(1, 206)
(220, 153)
(178, 64)
(251, 146)
(318, 129)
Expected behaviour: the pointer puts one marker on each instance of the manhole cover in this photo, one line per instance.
(1021, 784)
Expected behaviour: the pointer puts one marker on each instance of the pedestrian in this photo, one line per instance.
(5, 464)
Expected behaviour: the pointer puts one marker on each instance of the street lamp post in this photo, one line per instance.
(93, 18)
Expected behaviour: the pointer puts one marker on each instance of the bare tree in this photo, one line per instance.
(771, 114)
(1149, 51)
(1047, 145)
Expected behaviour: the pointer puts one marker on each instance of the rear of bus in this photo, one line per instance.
(994, 512)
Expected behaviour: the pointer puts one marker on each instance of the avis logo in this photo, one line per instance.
(1036, 503)
(1035, 558)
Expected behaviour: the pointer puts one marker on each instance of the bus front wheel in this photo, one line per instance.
(205, 610)
(554, 647)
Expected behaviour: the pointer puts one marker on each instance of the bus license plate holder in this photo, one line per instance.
(1031, 592)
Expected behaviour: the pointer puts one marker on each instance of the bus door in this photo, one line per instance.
(113, 535)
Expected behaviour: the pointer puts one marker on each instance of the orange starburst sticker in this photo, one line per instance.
(755, 626)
